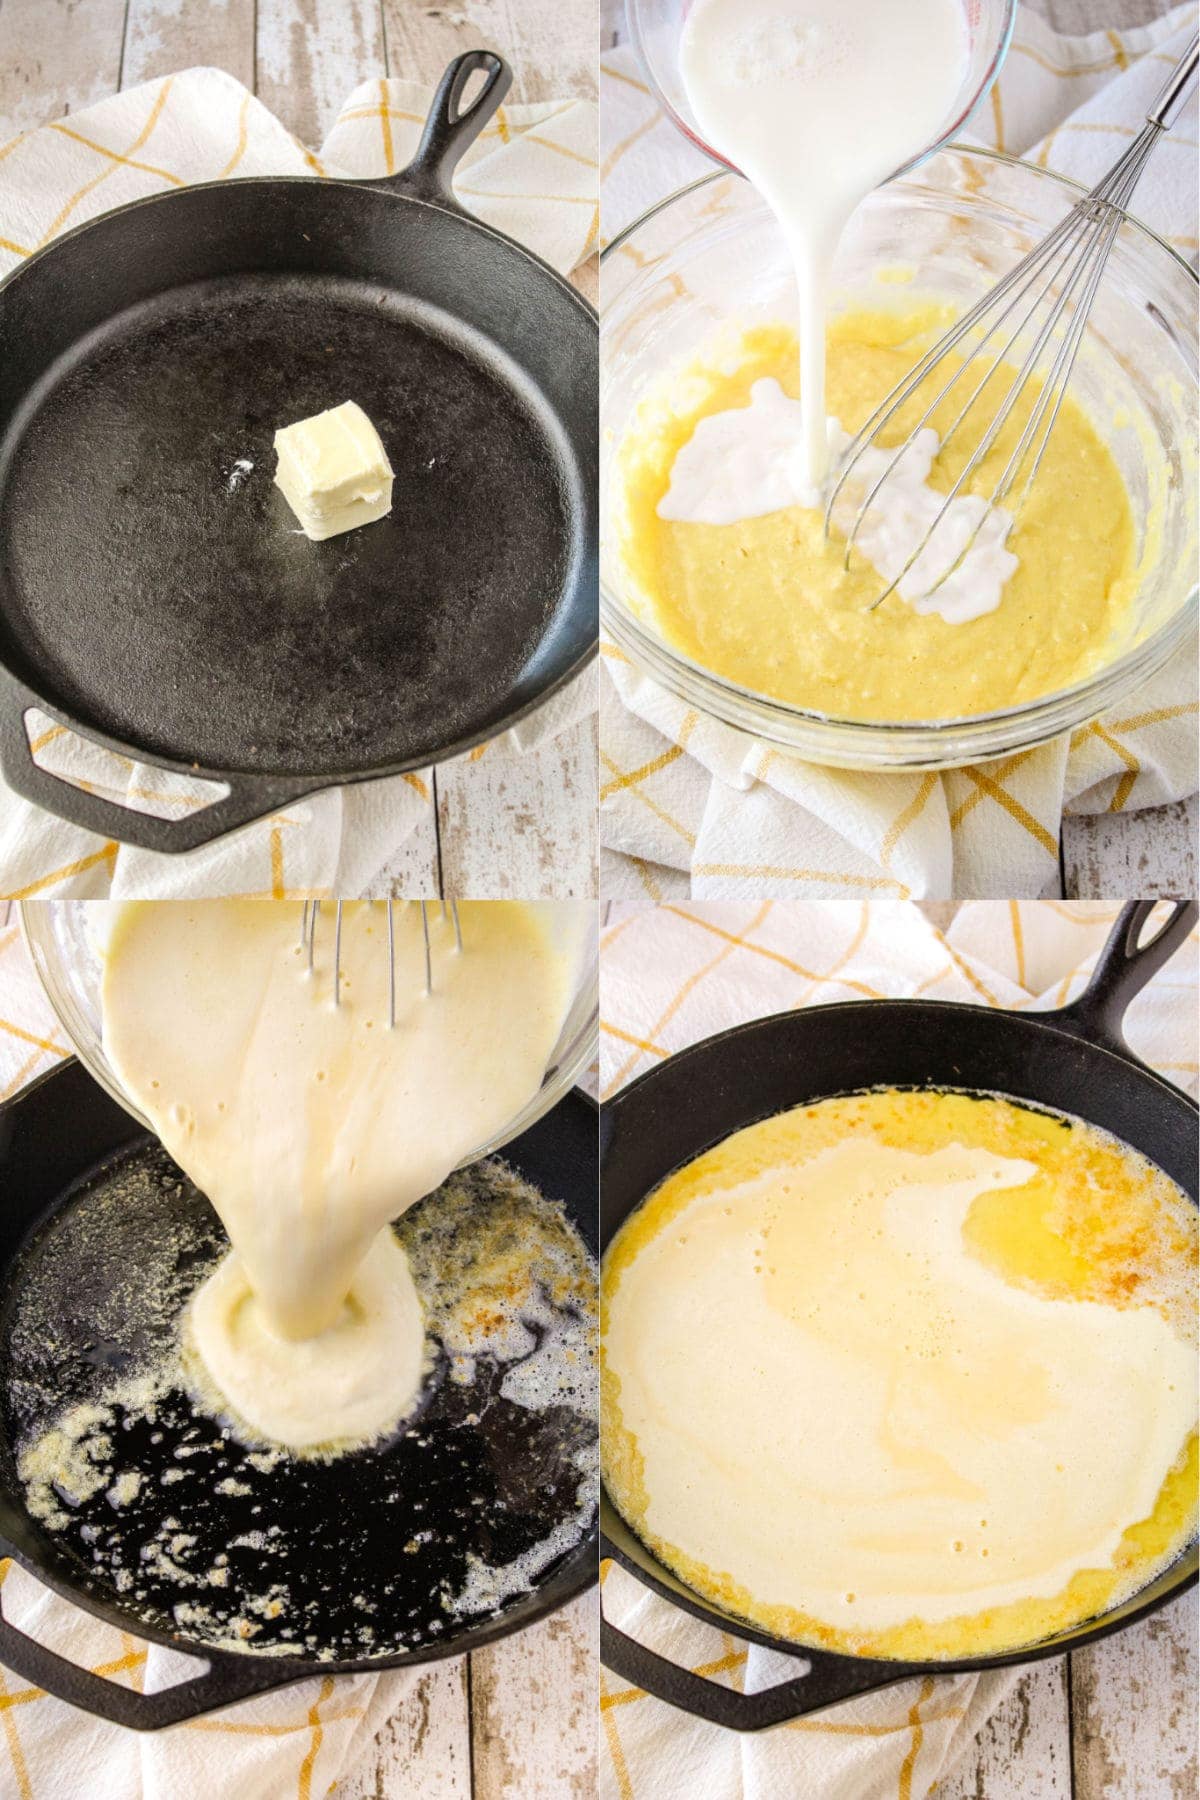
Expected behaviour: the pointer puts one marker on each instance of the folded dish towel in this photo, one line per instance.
(673, 975)
(689, 804)
(532, 174)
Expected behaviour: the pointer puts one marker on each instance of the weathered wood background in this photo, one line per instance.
(497, 826)
(518, 1719)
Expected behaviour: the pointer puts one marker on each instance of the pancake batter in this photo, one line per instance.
(311, 1126)
(765, 602)
(943, 1399)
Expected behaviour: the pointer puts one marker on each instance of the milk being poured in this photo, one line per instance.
(817, 102)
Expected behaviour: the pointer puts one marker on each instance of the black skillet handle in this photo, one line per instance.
(249, 797)
(830, 1679)
(1122, 970)
(228, 1679)
(449, 130)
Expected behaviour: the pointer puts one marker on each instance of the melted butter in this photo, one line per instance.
(310, 1126)
(944, 1395)
(765, 601)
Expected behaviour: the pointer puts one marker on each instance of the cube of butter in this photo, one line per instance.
(333, 471)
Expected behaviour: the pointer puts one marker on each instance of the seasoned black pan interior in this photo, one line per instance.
(156, 588)
(156, 584)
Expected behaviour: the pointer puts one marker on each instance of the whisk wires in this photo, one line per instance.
(1037, 314)
(310, 915)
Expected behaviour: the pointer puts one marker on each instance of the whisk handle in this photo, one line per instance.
(1175, 91)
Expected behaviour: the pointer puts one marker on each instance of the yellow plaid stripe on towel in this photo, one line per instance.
(671, 976)
(689, 805)
(532, 174)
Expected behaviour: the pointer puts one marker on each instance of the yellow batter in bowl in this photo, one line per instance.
(766, 603)
(908, 1375)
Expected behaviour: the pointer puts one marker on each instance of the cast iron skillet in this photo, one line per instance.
(1073, 1061)
(155, 593)
(53, 1136)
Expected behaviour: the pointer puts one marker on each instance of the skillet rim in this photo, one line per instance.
(1038, 1021)
(372, 184)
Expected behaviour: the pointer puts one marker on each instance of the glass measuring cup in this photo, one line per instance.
(656, 26)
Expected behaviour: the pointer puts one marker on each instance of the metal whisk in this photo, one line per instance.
(311, 912)
(1062, 274)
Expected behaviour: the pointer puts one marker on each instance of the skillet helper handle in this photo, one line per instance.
(1123, 968)
(449, 130)
(228, 1679)
(830, 1679)
(249, 797)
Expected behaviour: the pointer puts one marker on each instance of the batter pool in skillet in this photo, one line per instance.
(723, 552)
(908, 1375)
(162, 1507)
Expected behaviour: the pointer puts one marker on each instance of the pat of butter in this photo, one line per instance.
(333, 471)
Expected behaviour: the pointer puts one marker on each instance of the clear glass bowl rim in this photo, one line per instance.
(808, 732)
(574, 1051)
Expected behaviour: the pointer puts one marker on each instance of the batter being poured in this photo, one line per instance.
(310, 1126)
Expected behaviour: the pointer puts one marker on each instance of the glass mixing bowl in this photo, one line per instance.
(64, 937)
(711, 259)
(656, 26)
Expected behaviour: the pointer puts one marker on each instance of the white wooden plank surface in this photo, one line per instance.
(1133, 1703)
(534, 1711)
(162, 36)
(514, 826)
(414, 873)
(551, 47)
(424, 1750)
(1024, 1750)
(1150, 853)
(311, 53)
(56, 57)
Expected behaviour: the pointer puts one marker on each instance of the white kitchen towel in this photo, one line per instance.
(672, 975)
(689, 805)
(532, 173)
